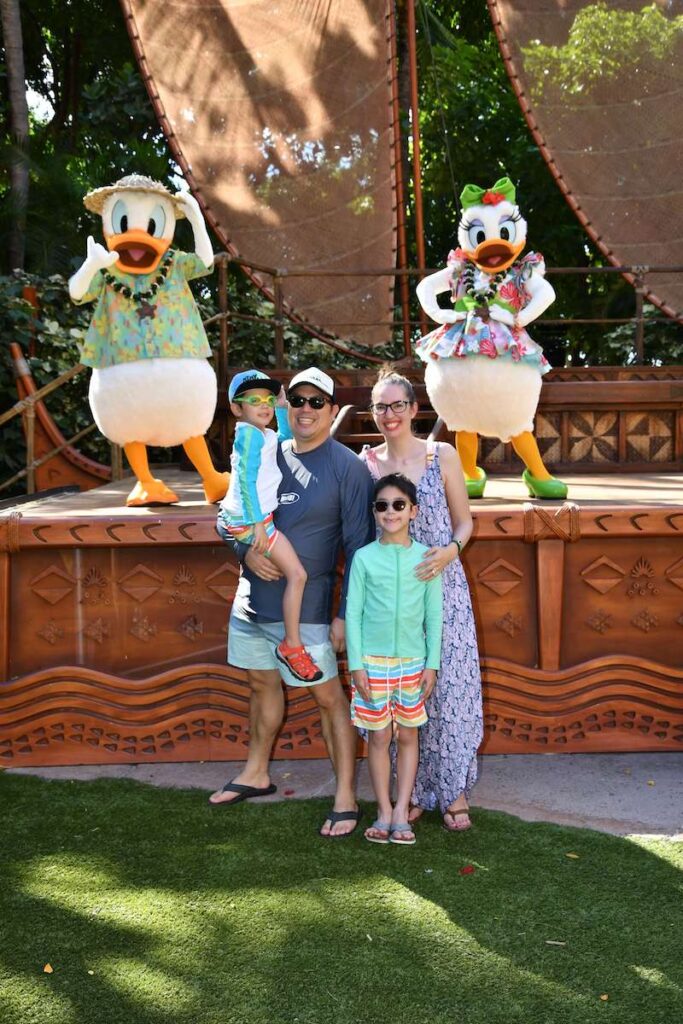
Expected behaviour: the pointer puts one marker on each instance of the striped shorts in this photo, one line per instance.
(395, 694)
(244, 532)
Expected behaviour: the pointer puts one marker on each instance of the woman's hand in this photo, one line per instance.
(261, 566)
(428, 681)
(435, 561)
(360, 681)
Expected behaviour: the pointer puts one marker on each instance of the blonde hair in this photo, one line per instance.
(387, 374)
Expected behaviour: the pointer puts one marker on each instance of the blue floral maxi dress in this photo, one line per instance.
(450, 739)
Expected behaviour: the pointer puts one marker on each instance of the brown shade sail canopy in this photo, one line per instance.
(601, 85)
(279, 112)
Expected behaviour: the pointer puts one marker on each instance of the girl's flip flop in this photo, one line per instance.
(379, 826)
(403, 827)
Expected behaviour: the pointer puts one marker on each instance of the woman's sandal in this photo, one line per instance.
(378, 826)
(456, 827)
(402, 827)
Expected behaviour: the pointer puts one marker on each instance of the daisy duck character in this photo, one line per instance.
(151, 383)
(483, 372)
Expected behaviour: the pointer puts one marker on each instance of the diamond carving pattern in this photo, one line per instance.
(222, 581)
(500, 576)
(53, 584)
(140, 583)
(603, 574)
(674, 574)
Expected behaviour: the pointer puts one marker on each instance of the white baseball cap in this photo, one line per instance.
(316, 378)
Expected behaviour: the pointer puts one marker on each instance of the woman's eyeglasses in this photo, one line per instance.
(256, 400)
(381, 407)
(315, 402)
(398, 504)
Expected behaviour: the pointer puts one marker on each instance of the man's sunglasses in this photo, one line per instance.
(256, 400)
(315, 402)
(398, 504)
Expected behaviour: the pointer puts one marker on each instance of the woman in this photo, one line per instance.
(450, 739)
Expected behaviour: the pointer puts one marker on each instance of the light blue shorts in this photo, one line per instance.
(252, 645)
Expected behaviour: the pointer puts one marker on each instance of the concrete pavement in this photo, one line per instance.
(625, 794)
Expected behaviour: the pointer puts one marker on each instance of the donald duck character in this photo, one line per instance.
(483, 371)
(151, 383)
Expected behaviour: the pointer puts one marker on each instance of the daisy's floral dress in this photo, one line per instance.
(475, 336)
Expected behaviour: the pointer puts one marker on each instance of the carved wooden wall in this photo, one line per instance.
(112, 636)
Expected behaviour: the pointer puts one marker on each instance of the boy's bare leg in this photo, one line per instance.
(406, 770)
(340, 739)
(379, 767)
(284, 556)
(266, 712)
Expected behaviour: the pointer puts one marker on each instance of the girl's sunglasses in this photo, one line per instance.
(316, 402)
(256, 400)
(398, 504)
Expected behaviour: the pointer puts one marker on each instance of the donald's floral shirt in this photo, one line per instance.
(168, 325)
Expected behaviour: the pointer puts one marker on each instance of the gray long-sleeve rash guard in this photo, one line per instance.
(324, 506)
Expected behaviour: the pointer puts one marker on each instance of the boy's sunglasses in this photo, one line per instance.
(256, 400)
(398, 504)
(316, 402)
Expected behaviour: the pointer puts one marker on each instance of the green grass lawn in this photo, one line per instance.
(151, 907)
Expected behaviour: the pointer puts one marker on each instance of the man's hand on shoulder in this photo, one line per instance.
(338, 635)
(261, 566)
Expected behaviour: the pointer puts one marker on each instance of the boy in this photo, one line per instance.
(247, 509)
(393, 640)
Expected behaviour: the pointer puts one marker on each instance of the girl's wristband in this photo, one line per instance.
(458, 544)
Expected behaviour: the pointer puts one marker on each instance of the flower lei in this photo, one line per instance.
(485, 293)
(150, 292)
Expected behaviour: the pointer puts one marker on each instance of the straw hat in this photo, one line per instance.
(95, 200)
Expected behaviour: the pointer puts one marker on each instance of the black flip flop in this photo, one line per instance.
(243, 793)
(334, 816)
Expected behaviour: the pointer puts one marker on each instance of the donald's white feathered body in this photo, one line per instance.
(151, 383)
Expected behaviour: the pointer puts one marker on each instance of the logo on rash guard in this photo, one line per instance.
(289, 498)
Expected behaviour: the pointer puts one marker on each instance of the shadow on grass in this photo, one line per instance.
(190, 914)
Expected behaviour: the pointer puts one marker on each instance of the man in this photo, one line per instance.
(324, 504)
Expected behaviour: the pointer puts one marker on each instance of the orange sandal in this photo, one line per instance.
(299, 662)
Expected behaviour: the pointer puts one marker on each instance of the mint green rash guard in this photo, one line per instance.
(389, 611)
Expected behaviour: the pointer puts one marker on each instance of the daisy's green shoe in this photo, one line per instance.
(550, 488)
(475, 485)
